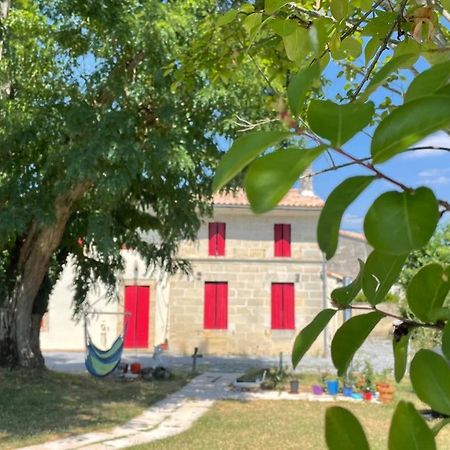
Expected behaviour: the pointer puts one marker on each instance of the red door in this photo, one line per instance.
(137, 301)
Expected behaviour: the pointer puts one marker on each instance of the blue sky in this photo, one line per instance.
(420, 168)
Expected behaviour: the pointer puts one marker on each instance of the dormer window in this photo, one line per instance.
(282, 241)
(216, 239)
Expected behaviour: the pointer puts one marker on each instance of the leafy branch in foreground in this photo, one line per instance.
(398, 222)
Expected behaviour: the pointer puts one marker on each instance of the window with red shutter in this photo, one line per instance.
(216, 306)
(282, 239)
(216, 245)
(283, 306)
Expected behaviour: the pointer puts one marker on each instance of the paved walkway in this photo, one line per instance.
(174, 414)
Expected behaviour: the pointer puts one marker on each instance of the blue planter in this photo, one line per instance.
(348, 391)
(333, 387)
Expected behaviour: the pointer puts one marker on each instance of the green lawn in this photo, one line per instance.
(48, 405)
(280, 425)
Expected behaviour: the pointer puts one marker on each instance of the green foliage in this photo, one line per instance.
(399, 222)
(344, 295)
(350, 336)
(309, 334)
(409, 430)
(428, 82)
(427, 291)
(446, 341)
(399, 130)
(430, 377)
(343, 430)
(270, 177)
(330, 217)
(400, 350)
(381, 271)
(299, 86)
(297, 39)
(242, 152)
(338, 123)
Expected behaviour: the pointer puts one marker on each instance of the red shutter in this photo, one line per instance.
(288, 306)
(212, 228)
(209, 311)
(278, 231)
(220, 239)
(222, 305)
(286, 240)
(277, 305)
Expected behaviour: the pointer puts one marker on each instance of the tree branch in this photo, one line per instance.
(380, 51)
(409, 322)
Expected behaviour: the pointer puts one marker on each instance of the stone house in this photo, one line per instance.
(256, 281)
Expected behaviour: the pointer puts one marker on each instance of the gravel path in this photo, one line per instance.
(377, 351)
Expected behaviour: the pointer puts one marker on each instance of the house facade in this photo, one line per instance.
(256, 281)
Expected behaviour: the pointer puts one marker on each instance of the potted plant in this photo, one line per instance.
(368, 381)
(385, 389)
(348, 381)
(294, 385)
(332, 384)
(317, 389)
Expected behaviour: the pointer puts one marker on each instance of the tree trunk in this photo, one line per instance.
(34, 261)
(35, 345)
(8, 353)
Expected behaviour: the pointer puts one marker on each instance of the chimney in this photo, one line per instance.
(306, 185)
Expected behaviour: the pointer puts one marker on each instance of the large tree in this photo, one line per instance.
(104, 138)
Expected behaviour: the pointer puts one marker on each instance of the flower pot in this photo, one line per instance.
(294, 386)
(333, 387)
(135, 368)
(347, 391)
(367, 396)
(317, 389)
(386, 392)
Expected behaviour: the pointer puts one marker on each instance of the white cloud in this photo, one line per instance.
(435, 176)
(439, 139)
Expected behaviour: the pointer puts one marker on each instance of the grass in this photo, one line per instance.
(38, 407)
(283, 425)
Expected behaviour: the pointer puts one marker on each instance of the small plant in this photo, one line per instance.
(369, 375)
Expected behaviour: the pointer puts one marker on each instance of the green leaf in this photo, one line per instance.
(299, 86)
(309, 334)
(296, 45)
(370, 49)
(339, 9)
(244, 150)
(270, 6)
(380, 273)
(399, 222)
(408, 430)
(338, 123)
(251, 22)
(393, 65)
(446, 4)
(350, 336)
(343, 296)
(446, 341)
(350, 48)
(283, 27)
(408, 124)
(337, 202)
(427, 290)
(430, 377)
(227, 18)
(400, 350)
(270, 177)
(343, 430)
(429, 82)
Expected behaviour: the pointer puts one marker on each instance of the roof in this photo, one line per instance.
(292, 199)
(353, 235)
